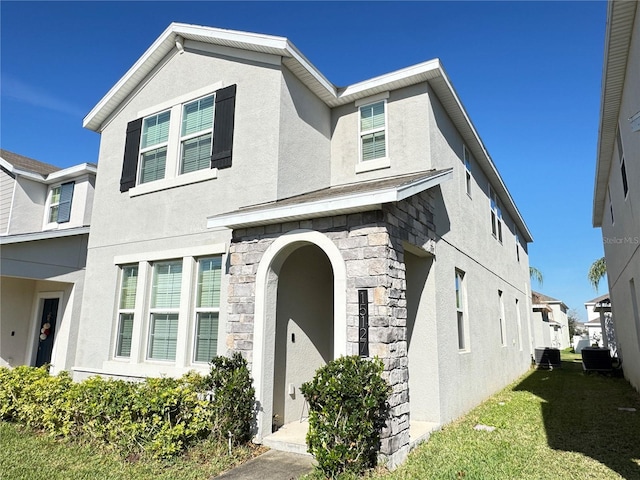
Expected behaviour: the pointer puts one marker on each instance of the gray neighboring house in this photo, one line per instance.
(550, 322)
(45, 213)
(244, 203)
(616, 201)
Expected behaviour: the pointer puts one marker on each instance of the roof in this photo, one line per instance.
(599, 299)
(620, 21)
(336, 200)
(44, 235)
(178, 35)
(541, 298)
(28, 164)
(42, 172)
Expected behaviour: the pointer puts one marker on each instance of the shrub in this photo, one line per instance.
(347, 408)
(233, 398)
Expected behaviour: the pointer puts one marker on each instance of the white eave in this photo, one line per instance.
(620, 21)
(54, 177)
(338, 205)
(44, 235)
(431, 71)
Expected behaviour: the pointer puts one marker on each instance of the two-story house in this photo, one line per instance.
(45, 214)
(245, 203)
(616, 199)
(550, 322)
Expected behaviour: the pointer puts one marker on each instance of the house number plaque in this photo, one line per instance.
(363, 322)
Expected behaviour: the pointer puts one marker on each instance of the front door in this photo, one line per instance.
(47, 330)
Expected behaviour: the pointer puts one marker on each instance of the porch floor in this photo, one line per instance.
(292, 436)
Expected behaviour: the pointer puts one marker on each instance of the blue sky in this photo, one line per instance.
(528, 73)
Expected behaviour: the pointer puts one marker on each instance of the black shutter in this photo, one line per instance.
(64, 207)
(223, 127)
(131, 151)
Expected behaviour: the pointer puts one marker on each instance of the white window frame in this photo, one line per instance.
(623, 167)
(517, 246)
(496, 214)
(163, 310)
(462, 322)
(502, 323)
(155, 146)
(466, 159)
(380, 162)
(519, 324)
(172, 177)
(200, 133)
(125, 311)
(207, 309)
(48, 223)
(610, 206)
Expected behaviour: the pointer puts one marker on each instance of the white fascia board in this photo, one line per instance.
(45, 235)
(235, 36)
(354, 202)
(381, 81)
(22, 173)
(75, 171)
(313, 71)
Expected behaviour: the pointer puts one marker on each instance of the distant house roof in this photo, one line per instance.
(42, 172)
(179, 36)
(28, 164)
(541, 298)
(599, 299)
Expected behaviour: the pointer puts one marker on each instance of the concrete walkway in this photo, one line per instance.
(271, 465)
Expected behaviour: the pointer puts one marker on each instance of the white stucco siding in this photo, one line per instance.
(407, 137)
(120, 218)
(28, 206)
(7, 184)
(304, 153)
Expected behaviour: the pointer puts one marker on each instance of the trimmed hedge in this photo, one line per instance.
(161, 416)
(347, 409)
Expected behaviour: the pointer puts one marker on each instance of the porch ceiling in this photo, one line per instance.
(336, 200)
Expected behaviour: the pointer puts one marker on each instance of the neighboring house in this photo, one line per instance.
(245, 203)
(616, 201)
(44, 228)
(599, 319)
(550, 322)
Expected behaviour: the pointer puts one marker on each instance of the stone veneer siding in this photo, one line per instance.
(371, 244)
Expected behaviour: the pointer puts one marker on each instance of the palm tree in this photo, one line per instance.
(597, 271)
(536, 275)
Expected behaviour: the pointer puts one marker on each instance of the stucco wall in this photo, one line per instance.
(16, 304)
(622, 237)
(28, 207)
(7, 183)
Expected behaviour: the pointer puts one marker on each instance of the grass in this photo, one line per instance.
(31, 456)
(551, 424)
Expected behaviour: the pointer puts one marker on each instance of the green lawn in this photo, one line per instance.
(29, 456)
(559, 424)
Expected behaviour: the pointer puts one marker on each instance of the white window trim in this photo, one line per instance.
(376, 163)
(172, 177)
(138, 364)
(47, 225)
(466, 157)
(198, 310)
(120, 311)
(499, 225)
(463, 310)
(200, 133)
(503, 323)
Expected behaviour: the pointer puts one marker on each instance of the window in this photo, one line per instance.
(517, 247)
(460, 309)
(623, 168)
(467, 168)
(60, 203)
(159, 152)
(196, 135)
(128, 285)
(610, 206)
(634, 308)
(207, 308)
(165, 303)
(373, 136)
(153, 147)
(496, 215)
(519, 324)
(503, 336)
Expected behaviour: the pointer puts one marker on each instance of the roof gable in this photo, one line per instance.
(27, 164)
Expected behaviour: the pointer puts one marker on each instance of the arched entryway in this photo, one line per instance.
(304, 328)
(300, 321)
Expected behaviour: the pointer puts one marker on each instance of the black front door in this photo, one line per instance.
(47, 331)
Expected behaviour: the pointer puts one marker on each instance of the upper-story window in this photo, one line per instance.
(467, 169)
(610, 206)
(59, 209)
(196, 135)
(373, 131)
(180, 137)
(623, 168)
(153, 147)
(496, 215)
